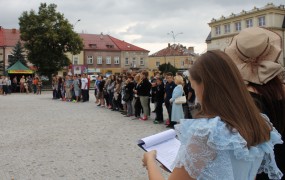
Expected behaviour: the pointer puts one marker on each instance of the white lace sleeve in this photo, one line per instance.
(195, 156)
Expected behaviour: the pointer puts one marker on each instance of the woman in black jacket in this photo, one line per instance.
(129, 94)
(143, 91)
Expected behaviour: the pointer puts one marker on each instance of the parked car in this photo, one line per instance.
(93, 77)
(44, 78)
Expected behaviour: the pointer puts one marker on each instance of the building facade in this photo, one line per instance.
(224, 29)
(101, 54)
(8, 40)
(177, 55)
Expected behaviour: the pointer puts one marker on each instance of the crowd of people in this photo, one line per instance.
(24, 85)
(131, 94)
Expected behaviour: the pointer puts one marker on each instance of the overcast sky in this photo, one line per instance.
(144, 23)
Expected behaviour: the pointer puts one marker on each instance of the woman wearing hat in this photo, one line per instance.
(230, 139)
(255, 51)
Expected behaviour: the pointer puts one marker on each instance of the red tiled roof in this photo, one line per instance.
(173, 50)
(124, 46)
(98, 42)
(9, 37)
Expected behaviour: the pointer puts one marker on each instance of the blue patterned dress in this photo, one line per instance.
(210, 150)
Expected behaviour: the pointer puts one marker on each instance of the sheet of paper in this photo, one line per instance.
(158, 138)
(166, 151)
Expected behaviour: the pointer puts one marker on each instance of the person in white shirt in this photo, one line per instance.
(84, 87)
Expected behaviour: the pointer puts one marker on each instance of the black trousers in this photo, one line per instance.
(84, 94)
(138, 107)
(159, 111)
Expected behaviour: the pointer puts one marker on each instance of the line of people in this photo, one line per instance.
(131, 94)
(71, 88)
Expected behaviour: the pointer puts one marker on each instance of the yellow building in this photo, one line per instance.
(177, 55)
(224, 29)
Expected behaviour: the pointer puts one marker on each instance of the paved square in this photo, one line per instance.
(41, 138)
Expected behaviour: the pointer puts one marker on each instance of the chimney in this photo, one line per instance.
(101, 35)
(0, 27)
(14, 30)
(169, 45)
(191, 49)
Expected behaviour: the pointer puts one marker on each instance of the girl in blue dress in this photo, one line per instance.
(228, 139)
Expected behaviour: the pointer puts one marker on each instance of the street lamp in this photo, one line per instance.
(76, 22)
(173, 35)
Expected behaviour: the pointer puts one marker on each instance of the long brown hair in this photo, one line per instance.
(225, 95)
(273, 94)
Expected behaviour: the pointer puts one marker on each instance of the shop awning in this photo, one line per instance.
(19, 68)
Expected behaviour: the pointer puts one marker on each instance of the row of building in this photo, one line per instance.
(106, 54)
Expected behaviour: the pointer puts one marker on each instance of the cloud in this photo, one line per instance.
(141, 22)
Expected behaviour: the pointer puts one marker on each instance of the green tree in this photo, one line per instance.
(17, 55)
(164, 68)
(2, 68)
(48, 37)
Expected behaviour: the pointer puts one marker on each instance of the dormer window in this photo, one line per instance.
(109, 46)
(93, 45)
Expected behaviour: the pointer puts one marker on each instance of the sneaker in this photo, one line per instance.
(157, 122)
(98, 104)
(167, 122)
(143, 119)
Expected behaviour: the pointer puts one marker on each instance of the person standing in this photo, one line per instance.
(9, 85)
(255, 51)
(22, 86)
(129, 95)
(1, 84)
(40, 85)
(5, 86)
(143, 91)
(177, 110)
(169, 87)
(84, 87)
(76, 87)
(35, 84)
(14, 84)
(159, 100)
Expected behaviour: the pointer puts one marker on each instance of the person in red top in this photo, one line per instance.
(35, 84)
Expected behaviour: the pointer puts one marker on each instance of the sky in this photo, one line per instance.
(144, 23)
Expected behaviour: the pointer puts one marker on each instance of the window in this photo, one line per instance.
(261, 21)
(127, 61)
(157, 64)
(249, 23)
(75, 60)
(182, 62)
(238, 26)
(141, 62)
(108, 60)
(134, 62)
(116, 60)
(99, 59)
(227, 28)
(218, 30)
(89, 59)
(10, 57)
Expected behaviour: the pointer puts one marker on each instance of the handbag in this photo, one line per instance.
(181, 99)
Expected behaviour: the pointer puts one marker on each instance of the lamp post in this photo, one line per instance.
(76, 22)
(173, 35)
(72, 55)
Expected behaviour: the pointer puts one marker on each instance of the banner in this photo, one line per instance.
(20, 72)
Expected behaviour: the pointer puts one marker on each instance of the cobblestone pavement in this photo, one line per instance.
(41, 138)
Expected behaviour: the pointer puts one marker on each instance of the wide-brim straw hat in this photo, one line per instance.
(255, 51)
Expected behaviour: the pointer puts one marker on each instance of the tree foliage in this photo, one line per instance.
(2, 68)
(17, 55)
(48, 37)
(164, 68)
